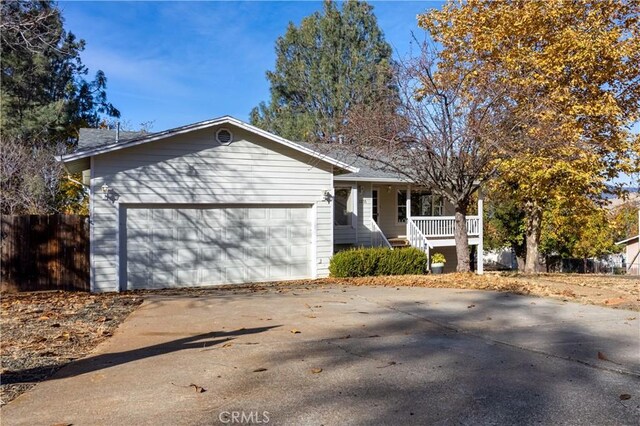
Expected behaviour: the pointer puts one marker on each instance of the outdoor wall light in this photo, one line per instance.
(327, 196)
(105, 191)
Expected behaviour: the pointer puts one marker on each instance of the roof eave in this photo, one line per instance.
(637, 237)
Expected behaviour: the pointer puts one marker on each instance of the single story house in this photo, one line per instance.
(222, 201)
(632, 254)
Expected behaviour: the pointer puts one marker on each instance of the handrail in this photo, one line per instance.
(379, 237)
(419, 240)
(416, 237)
(444, 226)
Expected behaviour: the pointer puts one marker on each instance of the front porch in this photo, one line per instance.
(382, 213)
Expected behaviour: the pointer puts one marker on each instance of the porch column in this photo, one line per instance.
(480, 255)
(408, 204)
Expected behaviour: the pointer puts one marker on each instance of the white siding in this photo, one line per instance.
(194, 169)
(359, 234)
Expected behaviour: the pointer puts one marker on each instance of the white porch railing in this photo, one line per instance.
(418, 239)
(443, 226)
(378, 239)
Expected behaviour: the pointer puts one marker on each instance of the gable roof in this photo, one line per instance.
(101, 143)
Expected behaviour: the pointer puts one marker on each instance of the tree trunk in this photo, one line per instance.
(532, 235)
(462, 239)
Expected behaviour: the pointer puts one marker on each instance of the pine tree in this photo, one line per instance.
(331, 62)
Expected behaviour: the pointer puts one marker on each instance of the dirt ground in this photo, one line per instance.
(42, 332)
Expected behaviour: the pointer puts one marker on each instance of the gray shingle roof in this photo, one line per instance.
(368, 169)
(92, 138)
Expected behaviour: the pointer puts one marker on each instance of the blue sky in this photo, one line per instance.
(176, 63)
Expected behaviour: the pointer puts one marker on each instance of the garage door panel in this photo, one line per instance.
(299, 270)
(162, 215)
(211, 235)
(210, 255)
(279, 232)
(300, 252)
(211, 276)
(278, 213)
(259, 233)
(187, 246)
(235, 274)
(234, 234)
(187, 277)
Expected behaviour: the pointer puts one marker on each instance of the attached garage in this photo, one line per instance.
(195, 245)
(216, 202)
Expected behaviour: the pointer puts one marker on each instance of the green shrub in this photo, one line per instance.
(365, 262)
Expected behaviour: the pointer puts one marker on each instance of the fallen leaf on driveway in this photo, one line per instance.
(602, 356)
(199, 389)
(316, 370)
(227, 345)
(295, 331)
(631, 318)
(471, 306)
(625, 396)
(259, 370)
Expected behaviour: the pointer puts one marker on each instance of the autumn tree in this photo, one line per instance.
(579, 59)
(333, 60)
(438, 134)
(45, 98)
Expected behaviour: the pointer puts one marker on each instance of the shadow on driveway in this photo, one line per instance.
(99, 362)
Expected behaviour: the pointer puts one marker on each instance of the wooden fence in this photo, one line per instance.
(45, 252)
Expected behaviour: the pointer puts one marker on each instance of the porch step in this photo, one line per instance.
(399, 242)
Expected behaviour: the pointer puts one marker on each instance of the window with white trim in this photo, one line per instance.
(423, 203)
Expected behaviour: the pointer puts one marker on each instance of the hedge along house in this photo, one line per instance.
(221, 202)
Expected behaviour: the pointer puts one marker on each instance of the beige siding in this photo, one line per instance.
(193, 168)
(388, 212)
(364, 214)
(631, 252)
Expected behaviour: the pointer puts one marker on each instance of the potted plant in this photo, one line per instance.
(437, 263)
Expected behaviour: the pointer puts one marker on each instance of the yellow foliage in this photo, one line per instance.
(571, 67)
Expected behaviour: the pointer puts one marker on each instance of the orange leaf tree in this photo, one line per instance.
(581, 62)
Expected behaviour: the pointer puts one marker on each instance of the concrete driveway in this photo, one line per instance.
(351, 355)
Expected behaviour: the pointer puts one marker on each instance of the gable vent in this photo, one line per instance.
(224, 136)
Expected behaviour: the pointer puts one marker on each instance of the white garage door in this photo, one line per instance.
(193, 246)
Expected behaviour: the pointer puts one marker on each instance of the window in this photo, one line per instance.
(402, 206)
(374, 204)
(342, 210)
(423, 203)
(438, 206)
